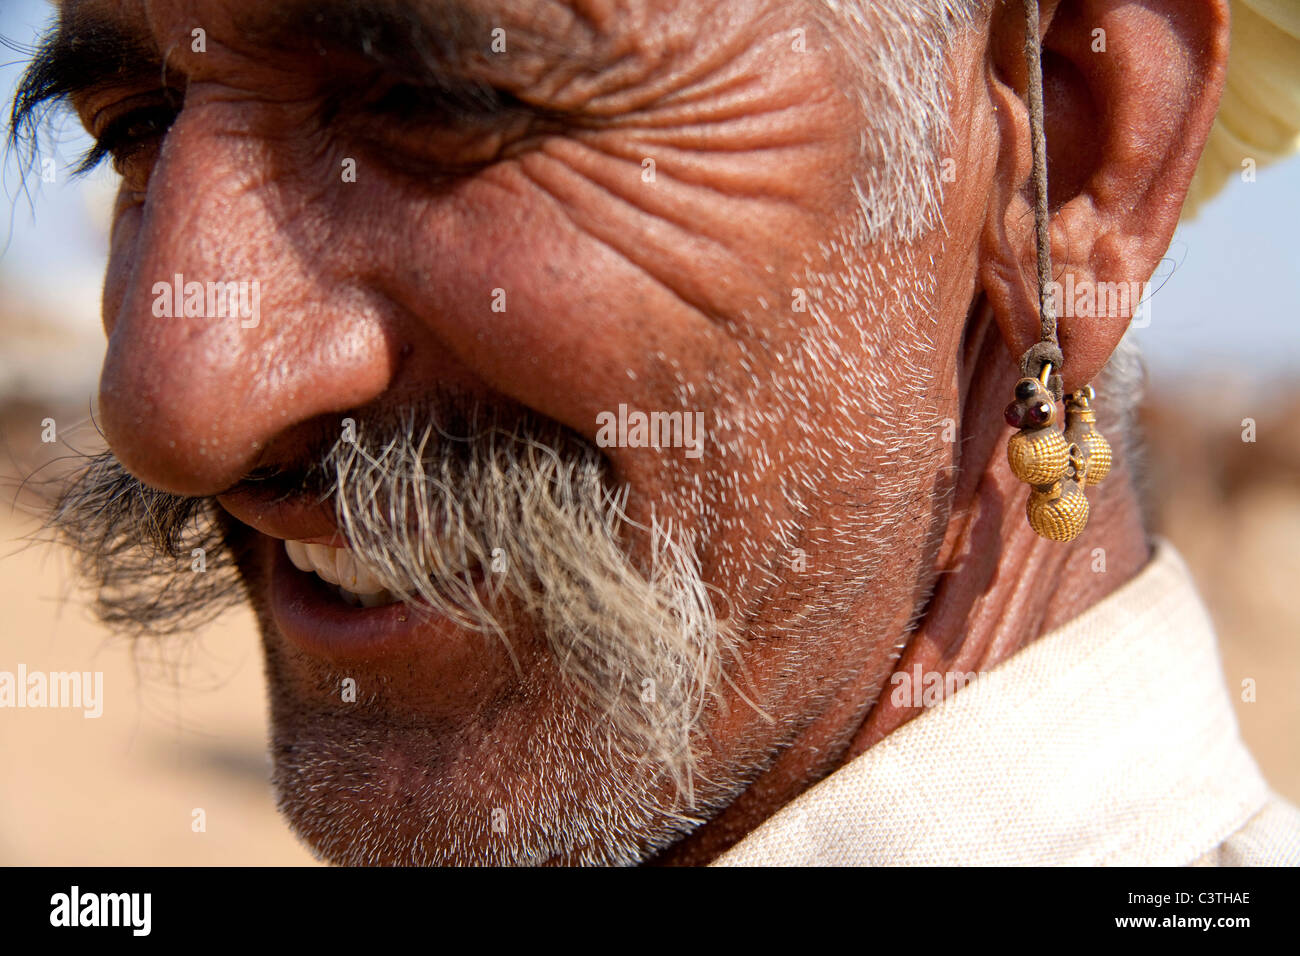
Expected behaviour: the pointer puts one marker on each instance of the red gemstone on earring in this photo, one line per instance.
(1040, 413)
(1013, 415)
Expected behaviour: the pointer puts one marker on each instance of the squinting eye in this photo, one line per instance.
(440, 131)
(466, 103)
(124, 136)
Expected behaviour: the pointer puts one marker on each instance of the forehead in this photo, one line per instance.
(531, 21)
(564, 51)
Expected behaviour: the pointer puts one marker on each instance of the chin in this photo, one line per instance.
(525, 779)
(420, 743)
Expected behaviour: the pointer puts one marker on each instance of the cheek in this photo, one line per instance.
(542, 309)
(570, 285)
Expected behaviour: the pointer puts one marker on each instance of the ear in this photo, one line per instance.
(1130, 90)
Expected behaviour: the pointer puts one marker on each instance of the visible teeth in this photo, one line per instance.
(345, 566)
(353, 576)
(355, 584)
(297, 552)
(323, 561)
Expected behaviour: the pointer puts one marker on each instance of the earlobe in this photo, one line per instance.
(1130, 92)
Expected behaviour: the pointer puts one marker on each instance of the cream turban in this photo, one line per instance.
(1259, 115)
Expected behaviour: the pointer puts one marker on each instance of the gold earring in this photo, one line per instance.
(1081, 430)
(1057, 466)
(1038, 453)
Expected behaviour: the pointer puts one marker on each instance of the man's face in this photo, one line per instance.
(509, 228)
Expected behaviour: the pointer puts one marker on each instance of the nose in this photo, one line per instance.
(191, 395)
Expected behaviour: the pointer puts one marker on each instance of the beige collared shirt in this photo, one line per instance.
(1108, 741)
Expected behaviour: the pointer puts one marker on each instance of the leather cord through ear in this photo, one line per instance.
(1047, 349)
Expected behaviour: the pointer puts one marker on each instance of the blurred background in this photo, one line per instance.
(184, 725)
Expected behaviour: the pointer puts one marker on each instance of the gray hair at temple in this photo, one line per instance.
(898, 185)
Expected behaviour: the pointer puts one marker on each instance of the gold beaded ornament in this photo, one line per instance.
(1057, 466)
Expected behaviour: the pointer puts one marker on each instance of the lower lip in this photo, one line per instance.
(311, 616)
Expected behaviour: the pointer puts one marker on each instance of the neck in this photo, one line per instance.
(999, 585)
(998, 588)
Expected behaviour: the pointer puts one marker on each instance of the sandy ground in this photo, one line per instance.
(187, 731)
(1232, 507)
(1247, 569)
(122, 788)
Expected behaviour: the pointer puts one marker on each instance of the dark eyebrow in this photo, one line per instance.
(81, 53)
(426, 40)
(438, 45)
(415, 38)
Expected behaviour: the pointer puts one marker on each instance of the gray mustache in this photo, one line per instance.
(136, 549)
(493, 527)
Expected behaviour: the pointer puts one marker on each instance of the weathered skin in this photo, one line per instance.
(625, 291)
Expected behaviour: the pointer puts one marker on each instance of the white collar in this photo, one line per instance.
(1108, 741)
